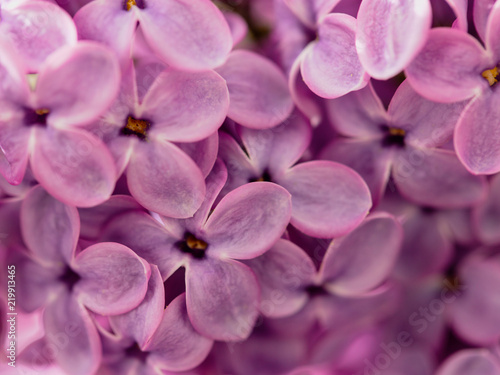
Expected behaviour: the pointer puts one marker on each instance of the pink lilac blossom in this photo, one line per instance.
(249, 187)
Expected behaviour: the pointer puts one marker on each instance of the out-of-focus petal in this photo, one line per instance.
(459, 7)
(77, 84)
(435, 177)
(360, 261)
(390, 34)
(258, 90)
(73, 166)
(447, 55)
(237, 25)
(468, 362)
(222, 298)
(248, 221)
(487, 215)
(186, 107)
(165, 180)
(283, 273)
(187, 34)
(331, 67)
(176, 346)
(114, 280)
(310, 12)
(50, 228)
(328, 199)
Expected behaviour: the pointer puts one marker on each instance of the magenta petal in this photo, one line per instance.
(146, 237)
(492, 30)
(37, 29)
(77, 84)
(114, 280)
(50, 228)
(476, 140)
(310, 12)
(449, 53)
(331, 67)
(222, 298)
(283, 273)
(73, 166)
(176, 346)
(481, 11)
(237, 25)
(391, 33)
(328, 199)
(459, 7)
(362, 260)
(435, 177)
(189, 35)
(12, 75)
(248, 221)
(258, 90)
(141, 323)
(470, 361)
(70, 329)
(186, 107)
(165, 180)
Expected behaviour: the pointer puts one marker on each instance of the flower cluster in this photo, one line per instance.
(250, 187)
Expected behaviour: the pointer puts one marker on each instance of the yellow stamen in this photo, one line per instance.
(196, 244)
(491, 75)
(130, 4)
(41, 111)
(397, 132)
(137, 126)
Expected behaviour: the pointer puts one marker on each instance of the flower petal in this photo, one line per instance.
(14, 147)
(331, 67)
(50, 228)
(328, 199)
(391, 33)
(14, 86)
(492, 30)
(486, 215)
(189, 35)
(114, 280)
(73, 166)
(222, 298)
(470, 361)
(360, 261)
(164, 179)
(176, 346)
(310, 12)
(435, 177)
(248, 221)
(186, 107)
(481, 11)
(203, 153)
(77, 84)
(448, 54)
(258, 90)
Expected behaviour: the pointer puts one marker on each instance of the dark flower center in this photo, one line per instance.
(491, 75)
(393, 137)
(316, 290)
(36, 116)
(70, 278)
(135, 351)
(266, 176)
(128, 4)
(192, 245)
(136, 127)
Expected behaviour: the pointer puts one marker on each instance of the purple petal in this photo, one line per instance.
(492, 30)
(459, 7)
(203, 153)
(283, 273)
(328, 199)
(114, 280)
(222, 298)
(331, 67)
(146, 237)
(50, 228)
(470, 361)
(362, 260)
(189, 35)
(14, 148)
(37, 29)
(237, 25)
(176, 346)
(186, 107)
(487, 214)
(258, 90)
(164, 179)
(390, 34)
(435, 177)
(310, 12)
(77, 84)
(481, 11)
(70, 329)
(248, 221)
(476, 140)
(14, 85)
(73, 166)
(448, 54)
(142, 322)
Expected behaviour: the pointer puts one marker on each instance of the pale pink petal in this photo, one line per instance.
(492, 30)
(470, 361)
(481, 11)
(460, 9)
(13, 84)
(14, 147)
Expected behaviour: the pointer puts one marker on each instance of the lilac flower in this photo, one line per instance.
(178, 107)
(222, 294)
(471, 361)
(486, 215)
(190, 35)
(106, 278)
(328, 199)
(74, 86)
(403, 143)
